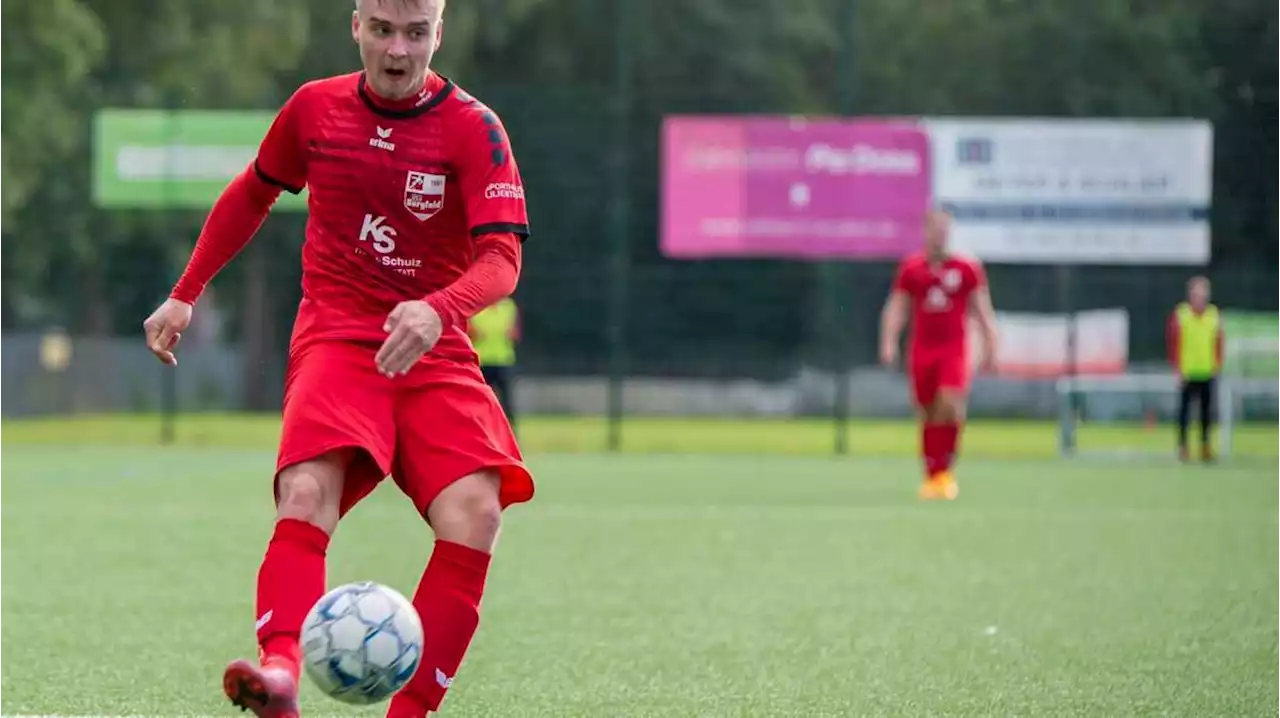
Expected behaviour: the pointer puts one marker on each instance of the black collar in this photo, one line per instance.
(415, 111)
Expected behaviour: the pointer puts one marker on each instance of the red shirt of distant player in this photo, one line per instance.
(396, 198)
(940, 294)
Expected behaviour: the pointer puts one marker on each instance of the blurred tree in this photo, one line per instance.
(996, 57)
(1240, 58)
(49, 49)
(206, 55)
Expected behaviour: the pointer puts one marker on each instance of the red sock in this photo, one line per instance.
(448, 601)
(948, 440)
(290, 581)
(931, 439)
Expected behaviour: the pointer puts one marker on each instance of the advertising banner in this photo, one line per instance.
(1066, 191)
(181, 159)
(792, 188)
(1036, 345)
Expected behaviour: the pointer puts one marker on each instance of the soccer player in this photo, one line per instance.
(1195, 339)
(494, 332)
(417, 217)
(940, 289)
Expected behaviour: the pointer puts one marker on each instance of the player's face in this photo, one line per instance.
(936, 227)
(1198, 294)
(397, 40)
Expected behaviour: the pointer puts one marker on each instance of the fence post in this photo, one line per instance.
(620, 264)
(833, 275)
(1071, 407)
(169, 374)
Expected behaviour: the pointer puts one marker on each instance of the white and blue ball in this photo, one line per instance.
(361, 642)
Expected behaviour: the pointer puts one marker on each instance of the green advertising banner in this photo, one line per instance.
(1253, 326)
(180, 159)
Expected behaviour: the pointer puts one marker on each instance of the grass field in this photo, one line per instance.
(678, 584)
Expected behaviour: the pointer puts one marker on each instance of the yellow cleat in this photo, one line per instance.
(940, 486)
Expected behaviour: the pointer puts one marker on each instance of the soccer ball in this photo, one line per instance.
(361, 642)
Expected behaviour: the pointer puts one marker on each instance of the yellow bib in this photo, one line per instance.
(491, 334)
(1198, 342)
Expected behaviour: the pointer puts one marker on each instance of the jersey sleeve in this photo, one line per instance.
(1173, 339)
(282, 156)
(979, 274)
(902, 278)
(492, 190)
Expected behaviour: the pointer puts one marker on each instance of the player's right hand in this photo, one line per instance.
(164, 329)
(888, 355)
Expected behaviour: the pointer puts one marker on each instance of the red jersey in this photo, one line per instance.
(939, 300)
(398, 192)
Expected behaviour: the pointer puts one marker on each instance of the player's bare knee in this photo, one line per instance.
(311, 491)
(300, 494)
(948, 410)
(468, 511)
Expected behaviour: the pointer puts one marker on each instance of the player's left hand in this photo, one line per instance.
(414, 328)
(988, 363)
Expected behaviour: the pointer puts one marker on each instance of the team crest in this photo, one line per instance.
(951, 279)
(423, 194)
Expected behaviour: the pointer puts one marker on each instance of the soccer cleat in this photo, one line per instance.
(1206, 453)
(941, 485)
(269, 691)
(1184, 454)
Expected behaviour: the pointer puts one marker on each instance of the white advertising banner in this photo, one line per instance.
(1065, 191)
(1036, 345)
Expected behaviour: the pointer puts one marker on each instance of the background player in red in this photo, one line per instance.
(416, 219)
(939, 289)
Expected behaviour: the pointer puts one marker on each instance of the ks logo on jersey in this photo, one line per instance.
(423, 194)
(937, 300)
(376, 231)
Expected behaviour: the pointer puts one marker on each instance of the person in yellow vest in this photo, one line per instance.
(1195, 349)
(494, 332)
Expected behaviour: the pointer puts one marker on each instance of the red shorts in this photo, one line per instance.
(427, 429)
(932, 373)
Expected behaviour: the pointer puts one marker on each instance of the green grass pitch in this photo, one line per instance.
(661, 582)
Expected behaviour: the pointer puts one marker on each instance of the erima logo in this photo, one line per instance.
(443, 679)
(262, 622)
(377, 231)
(380, 141)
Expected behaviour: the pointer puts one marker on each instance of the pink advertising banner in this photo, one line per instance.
(798, 188)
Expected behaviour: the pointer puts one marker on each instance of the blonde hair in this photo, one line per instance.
(442, 3)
